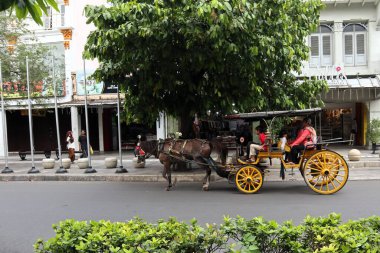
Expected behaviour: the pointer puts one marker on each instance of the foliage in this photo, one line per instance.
(25, 7)
(235, 235)
(373, 132)
(184, 57)
(17, 43)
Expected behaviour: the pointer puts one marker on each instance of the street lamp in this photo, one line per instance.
(89, 169)
(5, 134)
(33, 169)
(121, 169)
(61, 169)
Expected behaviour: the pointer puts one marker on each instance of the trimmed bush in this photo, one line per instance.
(321, 234)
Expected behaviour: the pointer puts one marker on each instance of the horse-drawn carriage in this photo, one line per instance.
(323, 170)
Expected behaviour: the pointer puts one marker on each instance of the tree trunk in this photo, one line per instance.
(186, 127)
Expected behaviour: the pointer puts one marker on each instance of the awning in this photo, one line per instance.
(272, 114)
(352, 82)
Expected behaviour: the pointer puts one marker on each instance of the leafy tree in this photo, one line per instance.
(17, 43)
(191, 56)
(24, 7)
(373, 133)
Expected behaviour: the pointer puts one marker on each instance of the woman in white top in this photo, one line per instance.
(70, 145)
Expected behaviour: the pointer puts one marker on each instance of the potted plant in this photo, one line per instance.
(373, 133)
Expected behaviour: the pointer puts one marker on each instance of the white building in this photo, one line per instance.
(67, 31)
(345, 50)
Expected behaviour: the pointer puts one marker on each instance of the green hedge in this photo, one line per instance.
(321, 234)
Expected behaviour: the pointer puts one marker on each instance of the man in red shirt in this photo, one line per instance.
(306, 137)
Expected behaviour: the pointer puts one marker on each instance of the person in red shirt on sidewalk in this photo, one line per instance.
(306, 137)
(255, 148)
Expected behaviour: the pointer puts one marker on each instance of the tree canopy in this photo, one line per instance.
(184, 56)
(25, 7)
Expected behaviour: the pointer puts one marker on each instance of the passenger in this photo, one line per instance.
(255, 148)
(306, 138)
(283, 144)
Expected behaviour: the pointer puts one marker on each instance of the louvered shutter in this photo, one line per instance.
(348, 50)
(63, 10)
(47, 18)
(360, 57)
(314, 51)
(326, 50)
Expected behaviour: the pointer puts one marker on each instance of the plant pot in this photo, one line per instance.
(48, 163)
(66, 163)
(82, 163)
(110, 162)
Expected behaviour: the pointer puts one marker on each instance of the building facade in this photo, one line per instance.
(67, 32)
(345, 51)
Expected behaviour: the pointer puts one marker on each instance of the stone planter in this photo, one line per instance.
(82, 163)
(354, 155)
(137, 163)
(110, 162)
(66, 163)
(48, 163)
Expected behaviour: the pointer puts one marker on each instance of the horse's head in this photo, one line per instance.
(149, 147)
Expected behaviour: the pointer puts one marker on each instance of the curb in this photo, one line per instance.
(108, 178)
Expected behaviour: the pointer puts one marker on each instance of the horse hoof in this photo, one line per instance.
(168, 189)
(205, 188)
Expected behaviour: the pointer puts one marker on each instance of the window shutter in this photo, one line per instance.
(326, 50)
(47, 19)
(314, 50)
(360, 57)
(348, 49)
(63, 9)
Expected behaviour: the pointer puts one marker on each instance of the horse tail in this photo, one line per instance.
(218, 169)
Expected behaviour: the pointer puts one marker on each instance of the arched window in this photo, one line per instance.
(355, 44)
(321, 47)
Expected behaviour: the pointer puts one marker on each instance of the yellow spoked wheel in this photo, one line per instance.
(249, 179)
(325, 172)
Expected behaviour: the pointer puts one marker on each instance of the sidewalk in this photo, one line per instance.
(368, 168)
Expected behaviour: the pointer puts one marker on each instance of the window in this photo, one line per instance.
(48, 22)
(63, 15)
(355, 44)
(321, 47)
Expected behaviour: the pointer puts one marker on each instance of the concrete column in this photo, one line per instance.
(2, 148)
(338, 44)
(100, 125)
(161, 126)
(373, 51)
(75, 125)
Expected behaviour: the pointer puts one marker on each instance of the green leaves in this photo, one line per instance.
(194, 56)
(315, 234)
(33, 7)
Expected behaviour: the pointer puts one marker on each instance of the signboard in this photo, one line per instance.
(93, 87)
(40, 89)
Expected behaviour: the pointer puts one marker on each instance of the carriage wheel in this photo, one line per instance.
(249, 179)
(325, 172)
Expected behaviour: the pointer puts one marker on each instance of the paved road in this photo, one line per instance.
(27, 209)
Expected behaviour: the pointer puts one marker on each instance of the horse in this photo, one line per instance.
(169, 151)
